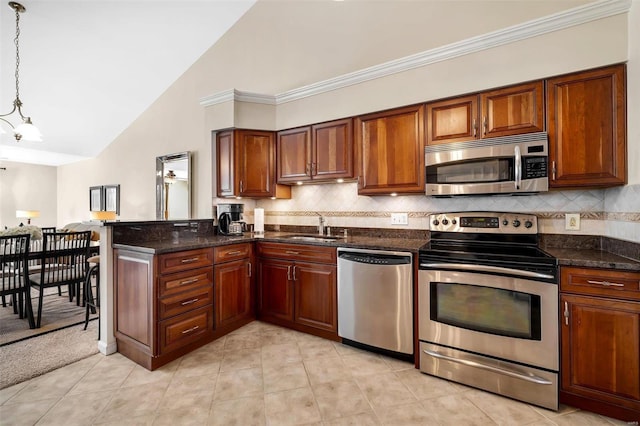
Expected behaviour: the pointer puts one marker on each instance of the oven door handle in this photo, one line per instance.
(500, 370)
(486, 268)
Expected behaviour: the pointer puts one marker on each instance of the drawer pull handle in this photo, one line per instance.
(189, 330)
(233, 253)
(189, 302)
(605, 283)
(291, 252)
(191, 281)
(193, 259)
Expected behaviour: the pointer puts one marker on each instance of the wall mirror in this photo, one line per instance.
(173, 186)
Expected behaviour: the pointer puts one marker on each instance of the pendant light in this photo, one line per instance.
(25, 130)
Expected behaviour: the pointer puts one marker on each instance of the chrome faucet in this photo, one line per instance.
(321, 224)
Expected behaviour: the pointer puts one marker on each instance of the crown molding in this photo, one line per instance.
(555, 22)
(239, 96)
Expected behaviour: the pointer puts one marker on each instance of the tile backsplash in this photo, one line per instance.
(612, 212)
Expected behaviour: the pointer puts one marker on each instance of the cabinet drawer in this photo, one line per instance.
(601, 282)
(184, 260)
(186, 328)
(184, 302)
(231, 252)
(185, 281)
(298, 252)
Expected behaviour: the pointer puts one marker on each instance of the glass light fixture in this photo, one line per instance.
(25, 130)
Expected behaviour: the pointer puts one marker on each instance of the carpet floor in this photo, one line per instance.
(32, 357)
(57, 313)
(26, 353)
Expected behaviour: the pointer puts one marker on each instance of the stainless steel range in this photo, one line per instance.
(488, 303)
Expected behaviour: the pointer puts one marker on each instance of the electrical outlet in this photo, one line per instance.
(399, 218)
(572, 221)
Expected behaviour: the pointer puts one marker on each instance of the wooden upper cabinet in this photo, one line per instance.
(390, 151)
(501, 112)
(246, 165)
(319, 152)
(453, 120)
(586, 116)
(294, 155)
(225, 170)
(513, 110)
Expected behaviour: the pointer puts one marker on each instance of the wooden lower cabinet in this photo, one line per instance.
(600, 342)
(170, 304)
(233, 291)
(298, 294)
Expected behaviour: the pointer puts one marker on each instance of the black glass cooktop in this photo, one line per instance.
(501, 251)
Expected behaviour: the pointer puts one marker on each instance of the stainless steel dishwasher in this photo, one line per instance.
(375, 299)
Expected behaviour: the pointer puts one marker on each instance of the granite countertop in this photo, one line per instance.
(179, 244)
(592, 258)
(580, 257)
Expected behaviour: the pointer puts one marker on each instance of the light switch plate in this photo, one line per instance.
(399, 218)
(572, 221)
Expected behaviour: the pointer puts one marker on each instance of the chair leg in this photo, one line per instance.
(29, 307)
(41, 290)
(59, 290)
(4, 301)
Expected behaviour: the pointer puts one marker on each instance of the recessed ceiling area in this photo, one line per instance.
(89, 68)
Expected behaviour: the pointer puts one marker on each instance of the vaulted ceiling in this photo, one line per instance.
(88, 68)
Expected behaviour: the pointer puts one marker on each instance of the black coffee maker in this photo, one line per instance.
(230, 219)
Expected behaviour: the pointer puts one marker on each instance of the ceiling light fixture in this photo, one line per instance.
(25, 130)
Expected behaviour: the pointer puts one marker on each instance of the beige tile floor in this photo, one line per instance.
(264, 375)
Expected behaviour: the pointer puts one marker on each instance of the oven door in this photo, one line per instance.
(514, 319)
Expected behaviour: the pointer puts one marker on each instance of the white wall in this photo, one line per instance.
(28, 187)
(280, 46)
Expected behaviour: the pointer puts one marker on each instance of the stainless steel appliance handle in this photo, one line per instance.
(500, 370)
(518, 166)
(486, 268)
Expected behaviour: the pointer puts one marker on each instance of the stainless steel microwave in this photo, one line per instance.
(505, 165)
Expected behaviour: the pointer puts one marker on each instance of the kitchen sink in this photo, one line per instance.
(323, 238)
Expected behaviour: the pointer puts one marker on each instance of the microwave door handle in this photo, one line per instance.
(518, 167)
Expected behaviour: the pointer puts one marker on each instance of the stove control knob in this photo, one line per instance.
(445, 221)
(436, 222)
(516, 223)
(528, 224)
(453, 221)
(505, 222)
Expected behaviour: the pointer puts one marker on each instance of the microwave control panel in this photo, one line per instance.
(534, 167)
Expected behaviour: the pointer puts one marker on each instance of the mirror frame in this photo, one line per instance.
(160, 172)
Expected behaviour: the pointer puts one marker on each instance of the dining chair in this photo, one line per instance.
(63, 261)
(14, 254)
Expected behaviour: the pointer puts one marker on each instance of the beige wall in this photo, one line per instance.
(280, 46)
(28, 187)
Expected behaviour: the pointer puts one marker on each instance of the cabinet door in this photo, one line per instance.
(134, 297)
(232, 292)
(390, 151)
(586, 117)
(294, 155)
(601, 349)
(513, 110)
(255, 163)
(332, 148)
(452, 120)
(225, 176)
(275, 298)
(315, 295)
